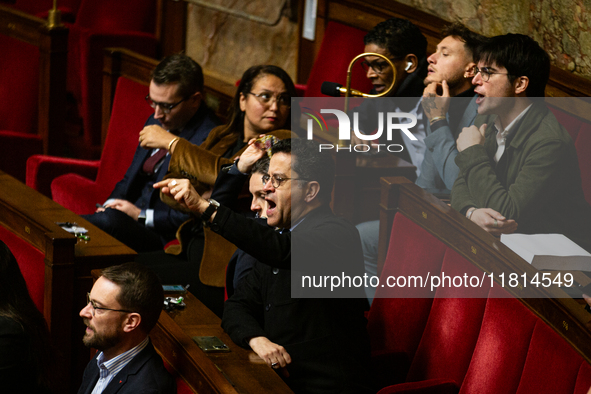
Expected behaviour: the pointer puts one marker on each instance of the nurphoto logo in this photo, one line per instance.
(393, 121)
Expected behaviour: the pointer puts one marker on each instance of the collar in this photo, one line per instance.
(116, 364)
(505, 133)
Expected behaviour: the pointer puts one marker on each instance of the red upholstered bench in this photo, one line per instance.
(79, 184)
(31, 262)
(580, 131)
(491, 344)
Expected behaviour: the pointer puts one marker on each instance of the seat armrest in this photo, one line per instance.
(43, 169)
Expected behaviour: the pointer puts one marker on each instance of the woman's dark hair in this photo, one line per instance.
(16, 304)
(249, 78)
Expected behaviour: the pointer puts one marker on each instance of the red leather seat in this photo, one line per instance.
(101, 24)
(79, 184)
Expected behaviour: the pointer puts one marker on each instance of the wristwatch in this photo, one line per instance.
(213, 206)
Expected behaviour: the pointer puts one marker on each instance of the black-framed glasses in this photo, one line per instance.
(94, 307)
(378, 66)
(277, 181)
(266, 98)
(485, 73)
(165, 107)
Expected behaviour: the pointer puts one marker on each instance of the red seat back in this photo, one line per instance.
(117, 15)
(452, 330)
(19, 85)
(31, 262)
(411, 250)
(339, 46)
(128, 115)
(580, 132)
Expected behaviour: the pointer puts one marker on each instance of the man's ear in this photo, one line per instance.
(196, 99)
(132, 322)
(411, 58)
(520, 85)
(469, 70)
(312, 190)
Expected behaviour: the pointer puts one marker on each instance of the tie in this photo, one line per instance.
(153, 160)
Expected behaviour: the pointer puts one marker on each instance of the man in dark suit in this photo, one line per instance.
(123, 307)
(316, 340)
(133, 213)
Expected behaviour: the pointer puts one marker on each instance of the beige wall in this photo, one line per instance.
(562, 27)
(227, 45)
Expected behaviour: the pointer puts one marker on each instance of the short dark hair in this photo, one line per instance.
(182, 69)
(309, 163)
(261, 166)
(140, 291)
(521, 56)
(399, 36)
(472, 41)
(250, 76)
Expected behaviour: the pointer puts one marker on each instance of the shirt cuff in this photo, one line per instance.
(150, 218)
(110, 200)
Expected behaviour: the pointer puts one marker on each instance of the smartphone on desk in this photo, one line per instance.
(179, 289)
(211, 344)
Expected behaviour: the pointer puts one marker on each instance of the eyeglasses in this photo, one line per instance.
(378, 66)
(94, 307)
(277, 181)
(165, 107)
(485, 73)
(265, 98)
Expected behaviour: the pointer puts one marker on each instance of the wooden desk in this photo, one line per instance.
(238, 371)
(32, 217)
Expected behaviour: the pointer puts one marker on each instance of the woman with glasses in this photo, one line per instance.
(24, 338)
(262, 105)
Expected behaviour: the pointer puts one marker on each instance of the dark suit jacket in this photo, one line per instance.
(326, 337)
(166, 219)
(145, 374)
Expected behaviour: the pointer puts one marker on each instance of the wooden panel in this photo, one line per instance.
(238, 371)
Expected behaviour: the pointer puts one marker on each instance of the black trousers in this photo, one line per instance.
(126, 230)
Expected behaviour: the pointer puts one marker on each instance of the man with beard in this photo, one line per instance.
(123, 307)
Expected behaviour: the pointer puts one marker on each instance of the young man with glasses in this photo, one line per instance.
(133, 213)
(518, 165)
(123, 307)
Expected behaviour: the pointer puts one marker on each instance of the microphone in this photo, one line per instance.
(336, 90)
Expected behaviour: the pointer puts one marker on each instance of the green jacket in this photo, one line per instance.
(537, 182)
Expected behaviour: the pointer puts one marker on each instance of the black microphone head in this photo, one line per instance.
(331, 89)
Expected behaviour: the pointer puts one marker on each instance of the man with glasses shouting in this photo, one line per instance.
(518, 165)
(313, 337)
(133, 213)
(123, 307)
